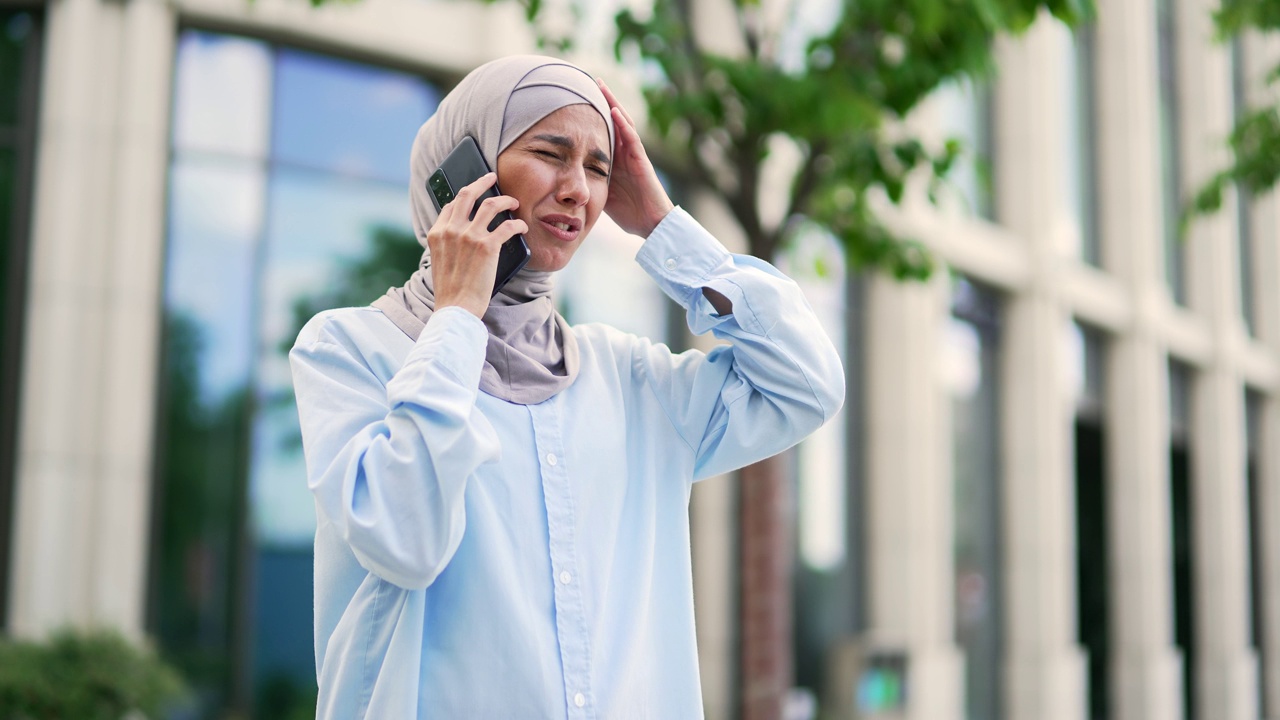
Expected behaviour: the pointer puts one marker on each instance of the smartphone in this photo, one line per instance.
(464, 166)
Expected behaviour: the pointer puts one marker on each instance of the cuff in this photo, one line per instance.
(680, 255)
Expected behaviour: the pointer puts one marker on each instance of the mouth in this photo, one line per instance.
(564, 227)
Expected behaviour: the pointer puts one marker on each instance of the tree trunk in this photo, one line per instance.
(765, 621)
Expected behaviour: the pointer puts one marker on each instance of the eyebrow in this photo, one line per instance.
(568, 144)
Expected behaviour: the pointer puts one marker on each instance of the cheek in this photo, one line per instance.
(599, 198)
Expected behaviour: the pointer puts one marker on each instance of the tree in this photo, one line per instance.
(1255, 140)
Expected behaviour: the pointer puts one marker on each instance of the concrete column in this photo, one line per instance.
(1225, 665)
(1262, 54)
(1146, 667)
(910, 583)
(83, 490)
(1044, 674)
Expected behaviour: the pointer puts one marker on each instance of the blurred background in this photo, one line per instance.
(1046, 497)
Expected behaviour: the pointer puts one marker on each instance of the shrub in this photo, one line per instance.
(83, 675)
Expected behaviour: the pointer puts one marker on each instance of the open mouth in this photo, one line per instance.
(563, 226)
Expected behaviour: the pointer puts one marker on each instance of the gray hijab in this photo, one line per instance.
(532, 354)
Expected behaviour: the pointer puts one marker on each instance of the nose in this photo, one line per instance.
(573, 188)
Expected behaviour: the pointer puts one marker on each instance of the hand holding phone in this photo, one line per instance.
(464, 165)
(465, 252)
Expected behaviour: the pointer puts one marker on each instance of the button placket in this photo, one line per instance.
(570, 615)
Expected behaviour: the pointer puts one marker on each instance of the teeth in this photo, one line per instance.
(562, 226)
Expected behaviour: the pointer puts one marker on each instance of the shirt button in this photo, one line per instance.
(552, 459)
(671, 263)
(565, 577)
(579, 700)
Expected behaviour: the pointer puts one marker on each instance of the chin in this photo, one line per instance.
(553, 263)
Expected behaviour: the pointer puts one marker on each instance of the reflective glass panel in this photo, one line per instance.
(1244, 199)
(221, 94)
(1080, 87)
(1259, 555)
(1183, 529)
(827, 578)
(261, 237)
(814, 261)
(215, 217)
(1170, 137)
(319, 225)
(965, 114)
(1092, 549)
(345, 117)
(17, 33)
(216, 206)
(971, 351)
(20, 52)
(8, 173)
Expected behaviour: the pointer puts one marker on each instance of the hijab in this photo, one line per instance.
(531, 354)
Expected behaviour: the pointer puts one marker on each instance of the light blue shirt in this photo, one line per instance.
(481, 559)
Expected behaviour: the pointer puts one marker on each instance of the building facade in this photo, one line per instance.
(1047, 495)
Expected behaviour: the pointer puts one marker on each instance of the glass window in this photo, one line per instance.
(965, 109)
(1180, 380)
(828, 572)
(1244, 200)
(1092, 547)
(971, 355)
(1170, 139)
(20, 34)
(1257, 553)
(1080, 88)
(287, 196)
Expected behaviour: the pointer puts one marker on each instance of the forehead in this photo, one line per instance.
(580, 123)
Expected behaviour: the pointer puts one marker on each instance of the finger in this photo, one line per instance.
(628, 137)
(491, 207)
(472, 192)
(509, 229)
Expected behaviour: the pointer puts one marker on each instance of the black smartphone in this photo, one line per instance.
(464, 166)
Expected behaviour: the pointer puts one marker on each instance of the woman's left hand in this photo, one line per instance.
(637, 200)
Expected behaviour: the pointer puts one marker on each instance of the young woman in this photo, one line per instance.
(502, 497)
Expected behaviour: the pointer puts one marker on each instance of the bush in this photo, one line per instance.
(79, 675)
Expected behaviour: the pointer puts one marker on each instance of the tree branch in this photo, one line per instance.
(749, 35)
(806, 181)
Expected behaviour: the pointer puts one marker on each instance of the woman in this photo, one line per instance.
(502, 499)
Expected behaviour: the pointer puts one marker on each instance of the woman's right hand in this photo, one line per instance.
(464, 254)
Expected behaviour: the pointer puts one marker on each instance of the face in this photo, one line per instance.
(559, 171)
